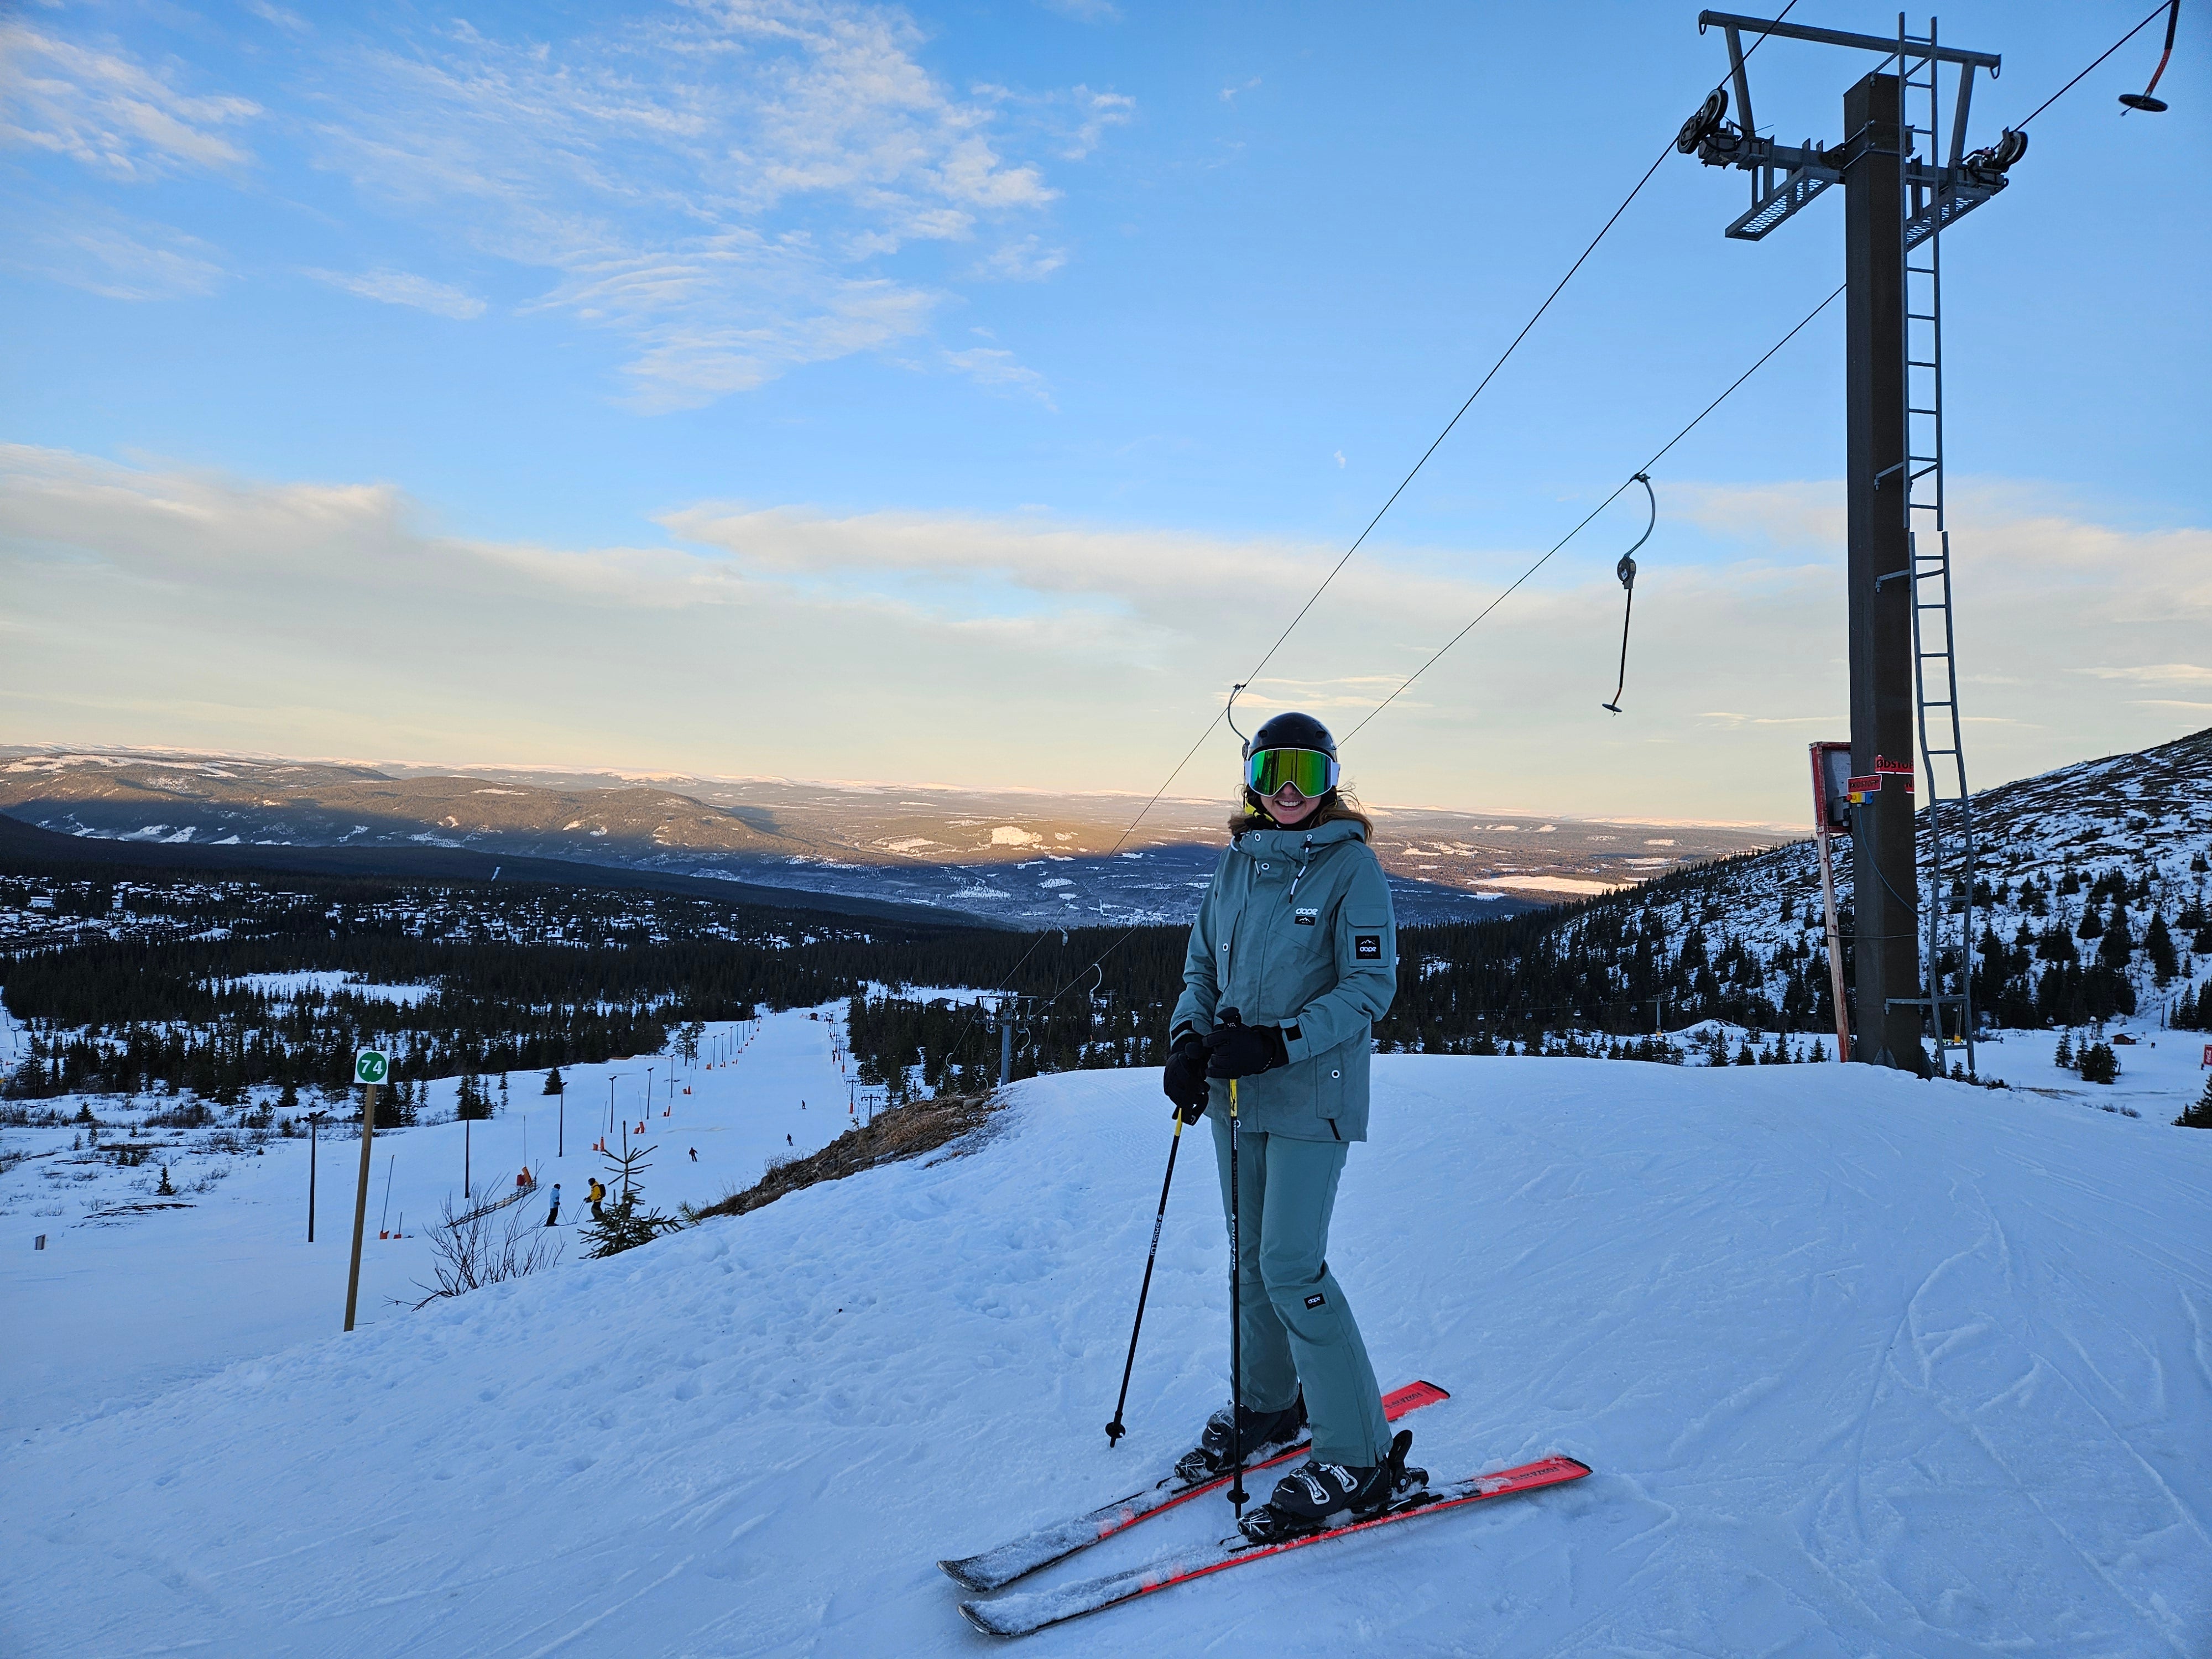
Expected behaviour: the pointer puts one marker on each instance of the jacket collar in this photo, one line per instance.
(1289, 843)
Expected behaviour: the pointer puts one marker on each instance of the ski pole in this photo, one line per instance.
(1236, 1321)
(1115, 1429)
(1230, 1017)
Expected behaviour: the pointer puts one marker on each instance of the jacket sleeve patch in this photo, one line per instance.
(1367, 947)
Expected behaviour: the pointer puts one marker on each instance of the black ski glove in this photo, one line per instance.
(1184, 1080)
(1245, 1050)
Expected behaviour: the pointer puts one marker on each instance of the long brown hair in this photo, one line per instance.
(1341, 805)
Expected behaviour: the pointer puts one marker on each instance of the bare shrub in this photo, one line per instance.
(904, 1131)
(486, 1249)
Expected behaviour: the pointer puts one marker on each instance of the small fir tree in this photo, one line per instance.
(2198, 1115)
(553, 1084)
(2158, 946)
(165, 1190)
(2099, 1064)
(622, 1224)
(2065, 1057)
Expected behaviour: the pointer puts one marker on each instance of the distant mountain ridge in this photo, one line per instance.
(1018, 857)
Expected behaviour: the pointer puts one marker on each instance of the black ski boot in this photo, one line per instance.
(1324, 1495)
(1262, 1430)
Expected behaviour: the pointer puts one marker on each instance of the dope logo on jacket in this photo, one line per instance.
(1306, 916)
(1367, 947)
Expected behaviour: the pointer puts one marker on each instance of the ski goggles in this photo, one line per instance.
(1309, 771)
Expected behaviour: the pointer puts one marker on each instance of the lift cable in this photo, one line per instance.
(1618, 490)
(1191, 753)
(1315, 597)
(2100, 56)
(1640, 473)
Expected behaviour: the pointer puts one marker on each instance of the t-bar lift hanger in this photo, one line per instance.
(1627, 571)
(2143, 100)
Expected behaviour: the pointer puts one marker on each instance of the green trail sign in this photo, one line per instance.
(371, 1065)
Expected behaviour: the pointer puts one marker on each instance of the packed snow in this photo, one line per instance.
(1864, 1365)
(126, 1299)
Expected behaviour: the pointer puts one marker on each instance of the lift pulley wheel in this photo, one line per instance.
(1706, 122)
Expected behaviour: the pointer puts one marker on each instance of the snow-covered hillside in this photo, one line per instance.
(1863, 1365)
(2092, 903)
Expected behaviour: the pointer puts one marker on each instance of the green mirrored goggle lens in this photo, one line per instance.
(1310, 771)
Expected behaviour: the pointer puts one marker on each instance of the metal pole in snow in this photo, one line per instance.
(315, 1129)
(1835, 943)
(361, 1200)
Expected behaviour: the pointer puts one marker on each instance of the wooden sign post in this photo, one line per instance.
(370, 1068)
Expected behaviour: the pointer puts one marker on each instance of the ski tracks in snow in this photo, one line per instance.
(1864, 1365)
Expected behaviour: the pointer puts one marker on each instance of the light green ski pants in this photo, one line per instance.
(1297, 1329)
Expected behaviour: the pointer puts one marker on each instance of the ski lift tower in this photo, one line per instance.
(1897, 201)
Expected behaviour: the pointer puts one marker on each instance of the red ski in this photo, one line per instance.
(1021, 1615)
(994, 1569)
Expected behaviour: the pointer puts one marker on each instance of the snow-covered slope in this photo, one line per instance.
(1864, 1365)
(2093, 901)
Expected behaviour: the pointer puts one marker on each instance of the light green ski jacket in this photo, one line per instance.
(1296, 931)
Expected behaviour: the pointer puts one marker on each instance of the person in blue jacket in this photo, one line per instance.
(1296, 940)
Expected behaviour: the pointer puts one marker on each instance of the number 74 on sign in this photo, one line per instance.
(371, 1065)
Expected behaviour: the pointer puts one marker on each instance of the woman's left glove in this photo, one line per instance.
(1245, 1050)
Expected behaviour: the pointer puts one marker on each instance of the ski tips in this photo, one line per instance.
(978, 1614)
(959, 1574)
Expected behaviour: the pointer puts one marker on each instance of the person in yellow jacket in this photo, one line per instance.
(596, 1192)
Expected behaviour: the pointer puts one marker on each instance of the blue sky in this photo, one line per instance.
(967, 394)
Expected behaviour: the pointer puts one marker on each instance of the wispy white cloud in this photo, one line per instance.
(118, 258)
(1025, 261)
(290, 21)
(993, 367)
(840, 643)
(400, 287)
(103, 108)
(718, 183)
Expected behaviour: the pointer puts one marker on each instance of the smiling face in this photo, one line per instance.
(1289, 808)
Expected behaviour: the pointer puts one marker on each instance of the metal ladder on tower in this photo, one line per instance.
(1948, 909)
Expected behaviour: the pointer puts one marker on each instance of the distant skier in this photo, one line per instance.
(695, 1154)
(787, 1140)
(597, 1193)
(1296, 934)
(553, 1210)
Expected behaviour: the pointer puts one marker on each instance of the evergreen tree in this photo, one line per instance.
(2065, 1057)
(2099, 1064)
(553, 1084)
(165, 1190)
(2158, 944)
(621, 1225)
(2198, 1115)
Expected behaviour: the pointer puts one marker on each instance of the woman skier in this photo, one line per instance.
(1293, 959)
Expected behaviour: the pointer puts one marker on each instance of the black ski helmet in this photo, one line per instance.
(1287, 731)
(1292, 731)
